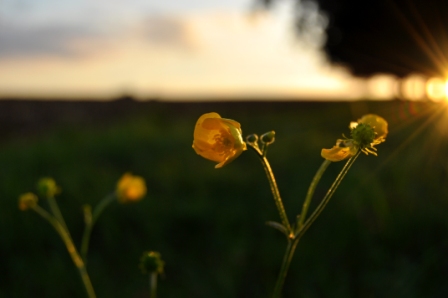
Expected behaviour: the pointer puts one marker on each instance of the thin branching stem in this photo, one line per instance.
(292, 243)
(56, 211)
(77, 260)
(328, 196)
(274, 189)
(90, 223)
(310, 193)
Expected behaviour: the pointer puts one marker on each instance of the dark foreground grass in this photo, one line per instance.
(384, 234)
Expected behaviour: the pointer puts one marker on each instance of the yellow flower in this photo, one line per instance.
(369, 131)
(130, 188)
(378, 124)
(27, 201)
(218, 139)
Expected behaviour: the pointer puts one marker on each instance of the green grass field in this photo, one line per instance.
(384, 233)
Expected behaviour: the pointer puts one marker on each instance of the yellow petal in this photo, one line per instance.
(336, 153)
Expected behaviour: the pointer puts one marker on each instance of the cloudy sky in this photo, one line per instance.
(173, 49)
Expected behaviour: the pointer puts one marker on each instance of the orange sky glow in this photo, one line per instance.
(193, 55)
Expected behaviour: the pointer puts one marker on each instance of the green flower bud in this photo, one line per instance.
(252, 139)
(363, 134)
(151, 262)
(27, 201)
(268, 138)
(47, 187)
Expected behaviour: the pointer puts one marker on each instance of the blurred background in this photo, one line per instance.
(92, 89)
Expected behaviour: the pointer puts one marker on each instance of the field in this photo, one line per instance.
(383, 234)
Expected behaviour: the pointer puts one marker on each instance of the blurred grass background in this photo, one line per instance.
(383, 234)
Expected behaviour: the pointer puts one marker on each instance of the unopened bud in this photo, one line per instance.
(252, 139)
(151, 262)
(27, 201)
(268, 138)
(47, 187)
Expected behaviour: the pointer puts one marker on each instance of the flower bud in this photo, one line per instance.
(252, 139)
(130, 188)
(268, 138)
(47, 187)
(27, 201)
(151, 262)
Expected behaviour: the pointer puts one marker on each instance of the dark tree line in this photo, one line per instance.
(392, 36)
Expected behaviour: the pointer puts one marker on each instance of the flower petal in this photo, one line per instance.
(337, 153)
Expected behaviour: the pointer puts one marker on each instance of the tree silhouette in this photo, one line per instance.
(391, 36)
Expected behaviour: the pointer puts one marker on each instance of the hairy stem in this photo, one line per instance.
(274, 190)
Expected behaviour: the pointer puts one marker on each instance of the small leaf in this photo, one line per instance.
(278, 226)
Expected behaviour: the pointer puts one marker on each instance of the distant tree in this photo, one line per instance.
(392, 36)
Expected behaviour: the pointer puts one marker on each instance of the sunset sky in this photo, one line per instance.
(172, 49)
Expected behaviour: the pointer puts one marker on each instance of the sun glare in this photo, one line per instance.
(446, 90)
(436, 89)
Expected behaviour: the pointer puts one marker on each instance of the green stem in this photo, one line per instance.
(274, 190)
(77, 260)
(91, 222)
(292, 243)
(310, 192)
(56, 211)
(287, 258)
(153, 284)
(327, 197)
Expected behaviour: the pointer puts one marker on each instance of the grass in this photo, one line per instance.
(384, 234)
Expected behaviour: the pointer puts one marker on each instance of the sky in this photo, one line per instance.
(190, 49)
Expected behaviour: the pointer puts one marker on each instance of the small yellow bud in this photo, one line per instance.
(130, 188)
(151, 262)
(47, 187)
(27, 201)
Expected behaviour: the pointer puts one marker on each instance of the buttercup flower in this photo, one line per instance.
(218, 139)
(369, 131)
(378, 124)
(27, 201)
(130, 188)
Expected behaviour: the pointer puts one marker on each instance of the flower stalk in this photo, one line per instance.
(90, 220)
(65, 236)
(304, 225)
(274, 188)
